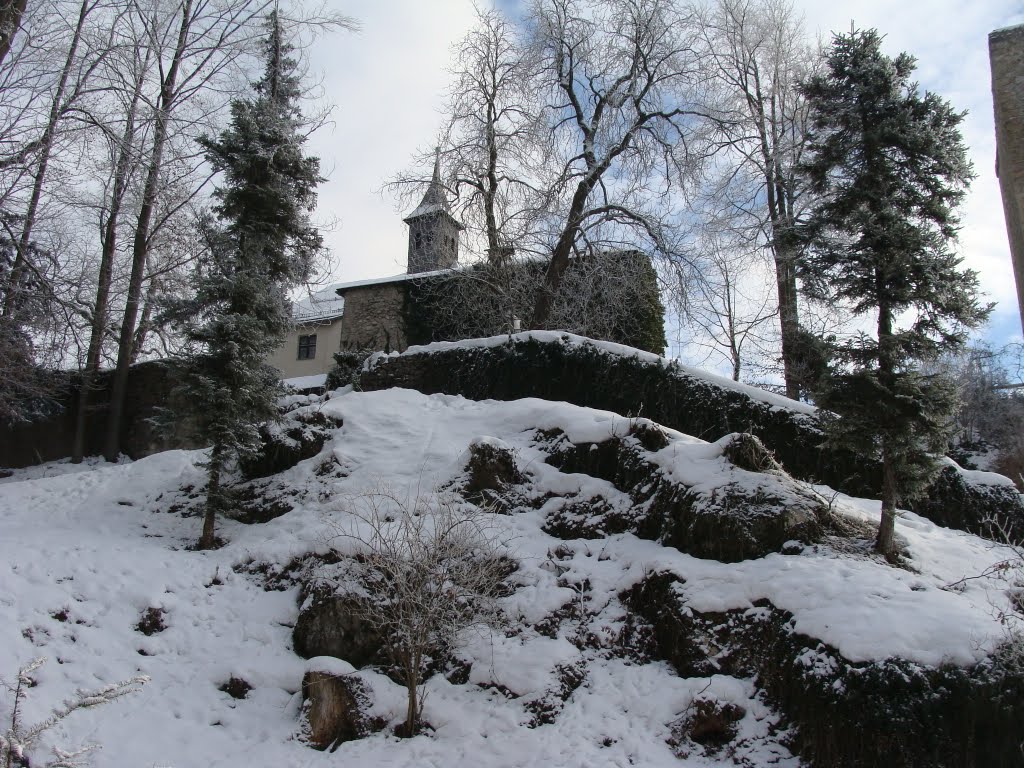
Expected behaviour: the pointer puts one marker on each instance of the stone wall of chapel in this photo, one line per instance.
(374, 318)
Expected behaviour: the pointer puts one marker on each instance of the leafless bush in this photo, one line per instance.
(429, 569)
(1008, 570)
(20, 739)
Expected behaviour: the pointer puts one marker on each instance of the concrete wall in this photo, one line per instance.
(374, 318)
(328, 339)
(1006, 53)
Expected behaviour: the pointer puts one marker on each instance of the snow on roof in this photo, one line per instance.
(324, 304)
(425, 208)
(306, 382)
(338, 287)
(327, 303)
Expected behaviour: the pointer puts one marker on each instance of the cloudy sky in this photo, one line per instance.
(388, 83)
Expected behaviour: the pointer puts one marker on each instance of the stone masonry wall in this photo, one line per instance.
(374, 318)
(156, 419)
(1006, 53)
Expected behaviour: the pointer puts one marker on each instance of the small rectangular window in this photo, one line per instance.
(307, 347)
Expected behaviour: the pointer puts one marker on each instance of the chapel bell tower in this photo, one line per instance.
(433, 231)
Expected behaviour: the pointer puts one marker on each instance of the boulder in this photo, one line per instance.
(490, 470)
(980, 502)
(890, 712)
(752, 513)
(299, 436)
(331, 625)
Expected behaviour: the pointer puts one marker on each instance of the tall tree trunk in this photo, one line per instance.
(214, 499)
(885, 543)
(11, 12)
(140, 246)
(562, 251)
(789, 319)
(97, 331)
(13, 297)
(144, 323)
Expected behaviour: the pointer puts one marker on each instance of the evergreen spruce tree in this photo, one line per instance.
(260, 244)
(889, 167)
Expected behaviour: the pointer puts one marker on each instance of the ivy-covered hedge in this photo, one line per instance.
(579, 371)
(483, 299)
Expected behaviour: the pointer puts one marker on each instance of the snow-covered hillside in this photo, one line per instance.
(84, 555)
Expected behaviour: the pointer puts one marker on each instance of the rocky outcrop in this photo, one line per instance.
(846, 715)
(299, 436)
(984, 508)
(630, 382)
(748, 515)
(490, 472)
(331, 625)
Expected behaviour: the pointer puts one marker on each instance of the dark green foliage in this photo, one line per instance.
(611, 296)
(27, 391)
(346, 368)
(888, 168)
(260, 245)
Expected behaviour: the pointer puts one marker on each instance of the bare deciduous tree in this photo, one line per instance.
(576, 132)
(729, 306)
(196, 43)
(11, 12)
(626, 89)
(203, 53)
(495, 138)
(760, 52)
(431, 568)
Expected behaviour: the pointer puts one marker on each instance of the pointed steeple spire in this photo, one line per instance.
(433, 231)
(434, 199)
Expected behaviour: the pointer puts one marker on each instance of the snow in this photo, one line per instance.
(400, 278)
(307, 382)
(572, 340)
(426, 208)
(977, 476)
(320, 306)
(99, 541)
